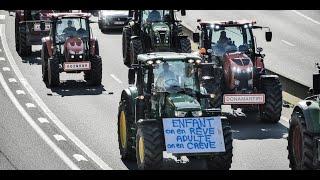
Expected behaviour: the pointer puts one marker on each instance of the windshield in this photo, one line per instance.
(71, 27)
(175, 76)
(149, 16)
(231, 39)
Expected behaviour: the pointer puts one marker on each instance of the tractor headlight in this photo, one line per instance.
(150, 62)
(249, 69)
(80, 56)
(72, 56)
(180, 113)
(196, 113)
(236, 82)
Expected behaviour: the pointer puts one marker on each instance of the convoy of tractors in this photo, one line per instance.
(175, 96)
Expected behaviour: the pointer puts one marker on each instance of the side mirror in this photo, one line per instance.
(131, 76)
(183, 12)
(196, 37)
(198, 20)
(316, 83)
(259, 50)
(268, 36)
(42, 26)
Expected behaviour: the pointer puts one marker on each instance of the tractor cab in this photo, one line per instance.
(153, 31)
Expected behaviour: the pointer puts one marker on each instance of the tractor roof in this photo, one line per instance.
(228, 23)
(166, 56)
(66, 15)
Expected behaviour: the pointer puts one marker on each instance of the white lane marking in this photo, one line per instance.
(38, 130)
(2, 58)
(12, 80)
(2, 17)
(79, 157)
(20, 92)
(30, 105)
(45, 108)
(59, 137)
(307, 17)
(6, 69)
(115, 78)
(288, 43)
(43, 120)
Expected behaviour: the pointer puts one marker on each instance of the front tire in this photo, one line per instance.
(271, 110)
(185, 45)
(222, 161)
(24, 49)
(53, 73)
(126, 132)
(136, 49)
(126, 34)
(300, 144)
(149, 146)
(44, 62)
(95, 74)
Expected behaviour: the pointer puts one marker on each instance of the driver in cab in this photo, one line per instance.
(154, 16)
(70, 30)
(167, 77)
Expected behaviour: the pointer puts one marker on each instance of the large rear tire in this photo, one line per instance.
(126, 132)
(222, 161)
(271, 110)
(149, 146)
(300, 144)
(126, 35)
(185, 45)
(53, 73)
(95, 74)
(24, 49)
(136, 49)
(44, 62)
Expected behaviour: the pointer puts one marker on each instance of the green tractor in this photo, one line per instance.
(165, 109)
(152, 31)
(304, 131)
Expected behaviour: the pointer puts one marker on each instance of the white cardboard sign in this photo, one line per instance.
(244, 99)
(193, 135)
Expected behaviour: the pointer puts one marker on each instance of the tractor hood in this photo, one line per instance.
(183, 102)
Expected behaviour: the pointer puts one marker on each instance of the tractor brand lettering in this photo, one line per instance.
(192, 135)
(238, 99)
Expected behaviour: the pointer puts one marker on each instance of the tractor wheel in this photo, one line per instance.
(24, 49)
(53, 73)
(126, 34)
(44, 60)
(136, 49)
(222, 161)
(95, 74)
(149, 146)
(16, 28)
(271, 110)
(300, 144)
(185, 45)
(96, 50)
(126, 132)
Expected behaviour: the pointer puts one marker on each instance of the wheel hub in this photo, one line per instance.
(141, 149)
(297, 143)
(123, 130)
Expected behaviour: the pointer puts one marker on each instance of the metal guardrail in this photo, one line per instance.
(288, 85)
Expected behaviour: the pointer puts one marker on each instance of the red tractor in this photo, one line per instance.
(70, 48)
(238, 76)
(28, 31)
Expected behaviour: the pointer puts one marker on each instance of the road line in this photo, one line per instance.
(307, 17)
(45, 108)
(79, 157)
(2, 17)
(38, 130)
(30, 105)
(115, 78)
(59, 137)
(20, 92)
(12, 80)
(2, 58)
(6, 69)
(288, 43)
(43, 120)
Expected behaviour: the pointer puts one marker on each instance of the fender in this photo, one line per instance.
(130, 94)
(48, 42)
(134, 37)
(311, 114)
(269, 77)
(146, 121)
